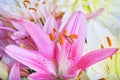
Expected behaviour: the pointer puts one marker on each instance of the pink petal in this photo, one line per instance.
(17, 25)
(76, 21)
(14, 72)
(28, 58)
(44, 44)
(7, 29)
(96, 56)
(93, 57)
(17, 35)
(77, 25)
(39, 76)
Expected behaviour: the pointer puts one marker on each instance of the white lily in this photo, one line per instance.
(100, 37)
(34, 10)
(111, 11)
(13, 8)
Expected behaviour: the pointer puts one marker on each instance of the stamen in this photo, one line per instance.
(43, 2)
(102, 46)
(26, 1)
(109, 41)
(31, 19)
(61, 38)
(59, 15)
(102, 79)
(33, 9)
(42, 20)
(36, 4)
(65, 32)
(79, 76)
(51, 36)
(73, 36)
(54, 30)
(63, 35)
(22, 45)
(111, 57)
(69, 39)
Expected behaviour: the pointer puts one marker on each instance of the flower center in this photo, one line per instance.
(62, 36)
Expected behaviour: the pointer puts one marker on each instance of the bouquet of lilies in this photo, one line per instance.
(59, 40)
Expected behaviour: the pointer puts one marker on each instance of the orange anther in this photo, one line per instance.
(61, 38)
(33, 9)
(36, 4)
(79, 76)
(111, 57)
(109, 41)
(54, 30)
(22, 45)
(43, 2)
(64, 31)
(26, 1)
(102, 46)
(31, 19)
(102, 79)
(51, 36)
(73, 36)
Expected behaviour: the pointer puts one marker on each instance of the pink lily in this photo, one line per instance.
(16, 33)
(15, 72)
(59, 55)
(4, 41)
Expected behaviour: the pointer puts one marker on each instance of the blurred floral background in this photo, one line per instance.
(59, 39)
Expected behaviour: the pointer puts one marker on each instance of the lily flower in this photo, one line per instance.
(11, 73)
(108, 10)
(101, 37)
(11, 30)
(59, 55)
(4, 41)
(104, 39)
(15, 72)
(34, 10)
